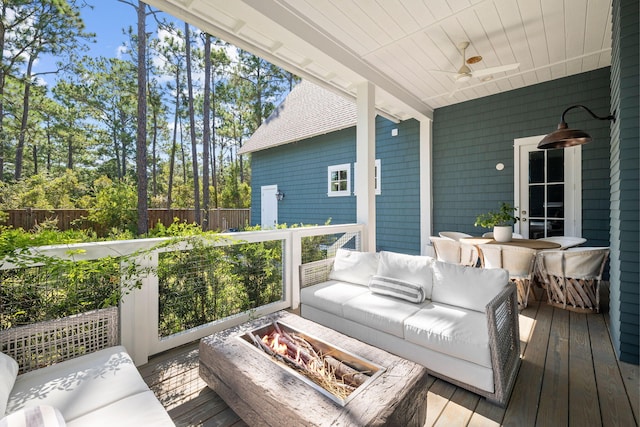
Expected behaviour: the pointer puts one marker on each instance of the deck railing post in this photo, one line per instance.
(294, 253)
(139, 308)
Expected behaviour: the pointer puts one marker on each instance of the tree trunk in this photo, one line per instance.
(213, 145)
(24, 119)
(206, 133)
(2, 81)
(70, 152)
(192, 130)
(116, 149)
(141, 136)
(34, 151)
(154, 143)
(172, 159)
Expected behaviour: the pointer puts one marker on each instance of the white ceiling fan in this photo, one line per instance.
(465, 73)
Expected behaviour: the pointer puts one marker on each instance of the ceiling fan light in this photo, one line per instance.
(463, 77)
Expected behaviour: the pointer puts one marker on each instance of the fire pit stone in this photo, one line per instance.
(261, 392)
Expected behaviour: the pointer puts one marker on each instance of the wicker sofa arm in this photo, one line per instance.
(315, 272)
(504, 342)
(44, 343)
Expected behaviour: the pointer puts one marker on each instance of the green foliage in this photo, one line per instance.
(115, 205)
(43, 191)
(503, 216)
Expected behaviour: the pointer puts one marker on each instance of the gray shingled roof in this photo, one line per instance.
(307, 111)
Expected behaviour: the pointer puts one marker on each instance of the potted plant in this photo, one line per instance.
(501, 221)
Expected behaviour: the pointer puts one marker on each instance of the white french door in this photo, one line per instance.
(268, 207)
(547, 189)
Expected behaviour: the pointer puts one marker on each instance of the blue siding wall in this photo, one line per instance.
(398, 205)
(300, 171)
(472, 137)
(624, 306)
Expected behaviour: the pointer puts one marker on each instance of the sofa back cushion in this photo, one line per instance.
(467, 287)
(353, 266)
(8, 373)
(408, 268)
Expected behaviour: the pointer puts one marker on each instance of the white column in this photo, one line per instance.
(365, 158)
(426, 201)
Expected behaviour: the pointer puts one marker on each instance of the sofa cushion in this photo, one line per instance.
(451, 330)
(8, 373)
(396, 288)
(353, 266)
(81, 385)
(467, 287)
(329, 296)
(380, 312)
(409, 268)
(34, 416)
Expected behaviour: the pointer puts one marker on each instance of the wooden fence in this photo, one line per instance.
(217, 219)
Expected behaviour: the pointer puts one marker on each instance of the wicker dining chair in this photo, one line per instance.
(454, 252)
(518, 261)
(468, 253)
(572, 277)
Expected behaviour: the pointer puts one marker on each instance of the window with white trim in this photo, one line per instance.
(339, 180)
(377, 172)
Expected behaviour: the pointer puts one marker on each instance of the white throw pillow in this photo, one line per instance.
(408, 268)
(34, 416)
(397, 288)
(468, 287)
(8, 373)
(353, 266)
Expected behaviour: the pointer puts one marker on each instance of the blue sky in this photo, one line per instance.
(106, 19)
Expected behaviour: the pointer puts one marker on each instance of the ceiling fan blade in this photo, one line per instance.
(443, 72)
(494, 70)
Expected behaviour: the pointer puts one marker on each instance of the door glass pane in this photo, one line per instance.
(555, 201)
(536, 201)
(555, 166)
(536, 167)
(556, 228)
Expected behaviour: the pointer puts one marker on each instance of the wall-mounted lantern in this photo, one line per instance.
(279, 195)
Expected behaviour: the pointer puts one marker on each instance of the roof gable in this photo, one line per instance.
(309, 110)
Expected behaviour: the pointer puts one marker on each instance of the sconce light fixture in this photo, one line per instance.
(565, 137)
(279, 195)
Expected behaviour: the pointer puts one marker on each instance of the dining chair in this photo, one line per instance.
(564, 241)
(453, 251)
(573, 277)
(514, 235)
(518, 261)
(467, 252)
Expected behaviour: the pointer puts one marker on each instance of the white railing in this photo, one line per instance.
(139, 310)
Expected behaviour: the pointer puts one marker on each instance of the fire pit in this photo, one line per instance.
(332, 371)
(263, 389)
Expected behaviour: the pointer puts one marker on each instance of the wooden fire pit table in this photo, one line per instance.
(263, 393)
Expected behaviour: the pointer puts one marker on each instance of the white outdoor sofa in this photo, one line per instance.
(101, 387)
(461, 323)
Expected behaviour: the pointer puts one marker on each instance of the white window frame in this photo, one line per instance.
(378, 175)
(338, 168)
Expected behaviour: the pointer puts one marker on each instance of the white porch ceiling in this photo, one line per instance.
(397, 44)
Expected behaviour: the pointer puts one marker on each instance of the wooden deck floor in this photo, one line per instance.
(569, 377)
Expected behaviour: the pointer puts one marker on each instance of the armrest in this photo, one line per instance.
(315, 272)
(504, 341)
